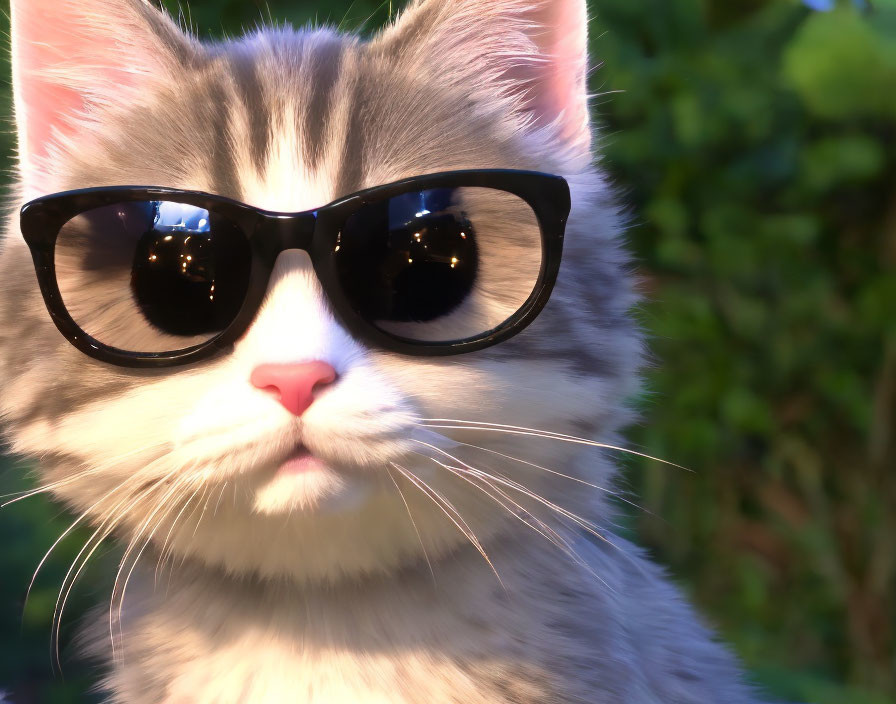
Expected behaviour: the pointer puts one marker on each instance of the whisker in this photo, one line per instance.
(133, 542)
(187, 503)
(61, 599)
(190, 517)
(109, 523)
(612, 493)
(461, 525)
(146, 543)
(20, 494)
(92, 470)
(66, 532)
(578, 520)
(581, 522)
(520, 430)
(544, 531)
(413, 523)
(204, 508)
(162, 552)
(28, 493)
(549, 533)
(220, 496)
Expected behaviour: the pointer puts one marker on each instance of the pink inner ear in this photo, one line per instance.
(44, 103)
(64, 54)
(562, 83)
(556, 83)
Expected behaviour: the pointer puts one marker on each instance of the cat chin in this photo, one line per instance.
(320, 489)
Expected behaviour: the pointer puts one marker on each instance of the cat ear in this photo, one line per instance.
(534, 52)
(70, 57)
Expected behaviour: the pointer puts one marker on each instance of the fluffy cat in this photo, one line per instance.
(351, 583)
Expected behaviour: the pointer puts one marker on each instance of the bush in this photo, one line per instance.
(754, 140)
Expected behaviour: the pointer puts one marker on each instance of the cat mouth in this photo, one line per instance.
(301, 461)
(302, 481)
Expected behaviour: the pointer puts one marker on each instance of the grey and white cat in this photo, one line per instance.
(378, 575)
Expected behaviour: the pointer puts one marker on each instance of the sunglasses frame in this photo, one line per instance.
(315, 232)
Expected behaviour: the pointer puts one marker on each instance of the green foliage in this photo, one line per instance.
(753, 140)
(28, 666)
(842, 66)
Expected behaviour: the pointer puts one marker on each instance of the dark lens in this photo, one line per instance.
(440, 264)
(152, 276)
(186, 280)
(407, 262)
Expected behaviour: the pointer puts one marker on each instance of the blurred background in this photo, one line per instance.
(754, 143)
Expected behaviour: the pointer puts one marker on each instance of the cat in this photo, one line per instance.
(382, 575)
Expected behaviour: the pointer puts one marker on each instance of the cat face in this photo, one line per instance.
(195, 461)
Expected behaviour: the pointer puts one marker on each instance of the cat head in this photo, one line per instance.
(191, 460)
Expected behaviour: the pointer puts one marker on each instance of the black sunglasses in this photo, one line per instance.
(433, 265)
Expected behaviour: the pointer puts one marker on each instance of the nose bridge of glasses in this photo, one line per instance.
(281, 231)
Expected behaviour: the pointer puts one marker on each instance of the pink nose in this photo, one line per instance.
(293, 384)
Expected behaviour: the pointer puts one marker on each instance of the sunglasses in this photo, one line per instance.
(434, 265)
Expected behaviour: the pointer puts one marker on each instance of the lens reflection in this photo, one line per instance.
(183, 276)
(152, 276)
(411, 258)
(440, 264)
